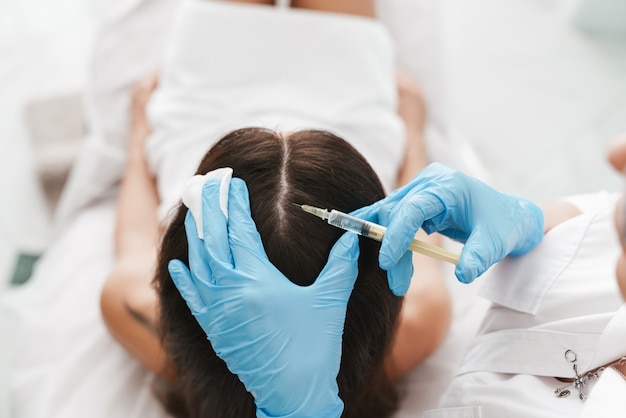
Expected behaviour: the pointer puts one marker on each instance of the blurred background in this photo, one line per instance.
(44, 49)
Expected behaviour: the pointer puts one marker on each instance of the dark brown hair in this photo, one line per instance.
(307, 167)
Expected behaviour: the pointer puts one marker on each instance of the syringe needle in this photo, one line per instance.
(319, 212)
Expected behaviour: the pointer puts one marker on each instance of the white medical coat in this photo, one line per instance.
(562, 296)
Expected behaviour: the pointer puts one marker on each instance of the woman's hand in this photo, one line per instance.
(412, 111)
(139, 125)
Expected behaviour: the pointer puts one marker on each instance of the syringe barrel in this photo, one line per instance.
(376, 232)
(356, 225)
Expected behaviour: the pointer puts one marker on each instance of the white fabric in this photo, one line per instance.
(64, 362)
(607, 398)
(192, 194)
(561, 296)
(279, 69)
(129, 45)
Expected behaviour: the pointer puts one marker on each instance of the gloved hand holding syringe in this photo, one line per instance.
(490, 224)
(377, 232)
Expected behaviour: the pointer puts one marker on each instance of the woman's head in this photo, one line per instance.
(307, 167)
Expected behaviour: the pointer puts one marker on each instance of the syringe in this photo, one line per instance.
(376, 232)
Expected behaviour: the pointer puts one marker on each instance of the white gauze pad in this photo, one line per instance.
(192, 193)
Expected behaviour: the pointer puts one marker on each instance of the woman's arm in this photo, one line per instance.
(424, 320)
(412, 111)
(427, 310)
(128, 301)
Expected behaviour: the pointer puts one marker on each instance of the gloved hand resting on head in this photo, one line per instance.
(281, 339)
(439, 199)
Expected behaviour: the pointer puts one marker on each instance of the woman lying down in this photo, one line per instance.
(552, 344)
(550, 335)
(547, 328)
(279, 169)
(542, 323)
(333, 72)
(385, 335)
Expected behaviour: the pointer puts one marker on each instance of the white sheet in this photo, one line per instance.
(64, 361)
(130, 38)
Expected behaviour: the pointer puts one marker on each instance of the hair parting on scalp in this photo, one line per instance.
(281, 199)
(309, 167)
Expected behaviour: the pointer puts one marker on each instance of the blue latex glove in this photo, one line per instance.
(281, 339)
(439, 199)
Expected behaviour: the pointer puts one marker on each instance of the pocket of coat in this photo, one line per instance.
(458, 412)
